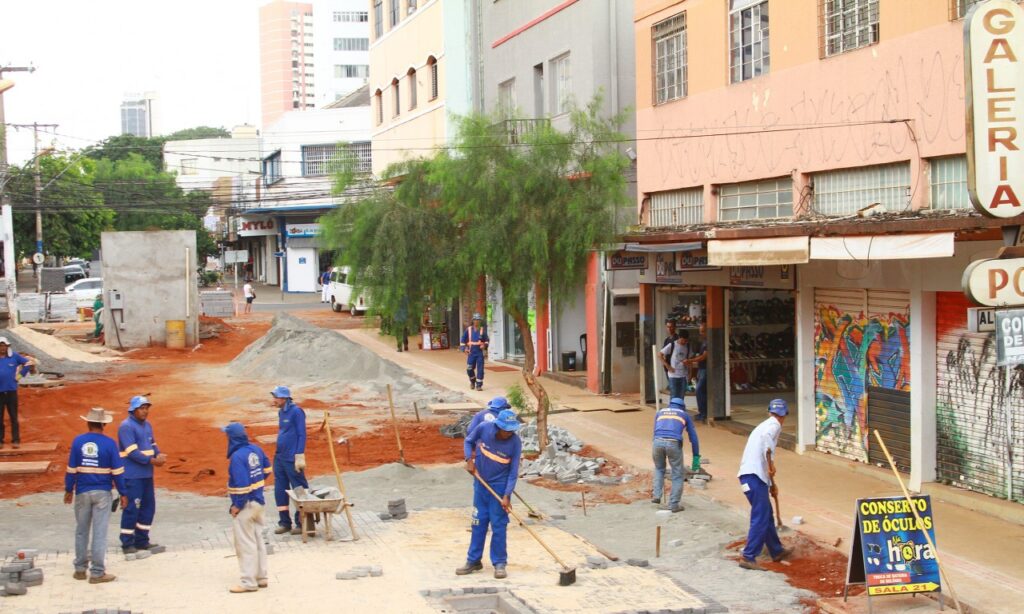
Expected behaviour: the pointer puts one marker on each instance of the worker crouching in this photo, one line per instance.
(248, 467)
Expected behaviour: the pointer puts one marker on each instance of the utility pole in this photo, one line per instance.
(7, 230)
(39, 201)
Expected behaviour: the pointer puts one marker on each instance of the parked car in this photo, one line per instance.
(341, 293)
(85, 290)
(78, 262)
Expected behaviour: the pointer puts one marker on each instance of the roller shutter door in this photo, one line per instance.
(975, 445)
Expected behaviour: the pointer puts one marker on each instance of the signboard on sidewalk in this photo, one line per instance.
(890, 554)
(1009, 337)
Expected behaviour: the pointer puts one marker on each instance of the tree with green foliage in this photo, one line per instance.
(199, 132)
(526, 214)
(121, 146)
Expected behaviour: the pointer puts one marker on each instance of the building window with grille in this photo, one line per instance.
(756, 200)
(562, 84)
(378, 103)
(351, 44)
(394, 12)
(949, 183)
(351, 71)
(844, 192)
(432, 64)
(412, 88)
(669, 40)
(397, 98)
(272, 168)
(362, 154)
(677, 207)
(378, 18)
(316, 159)
(748, 46)
(847, 25)
(351, 16)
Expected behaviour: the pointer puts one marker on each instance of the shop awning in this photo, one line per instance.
(660, 248)
(883, 247)
(621, 292)
(759, 252)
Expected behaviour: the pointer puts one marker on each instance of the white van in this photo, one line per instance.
(341, 293)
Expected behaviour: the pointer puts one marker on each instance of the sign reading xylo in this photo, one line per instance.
(995, 283)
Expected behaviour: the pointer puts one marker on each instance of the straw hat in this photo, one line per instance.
(98, 414)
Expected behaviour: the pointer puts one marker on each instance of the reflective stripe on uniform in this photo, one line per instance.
(660, 418)
(99, 470)
(148, 452)
(282, 508)
(129, 450)
(267, 470)
(494, 457)
(127, 531)
(118, 471)
(144, 527)
(244, 490)
(71, 470)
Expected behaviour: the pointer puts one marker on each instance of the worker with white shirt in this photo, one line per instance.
(757, 468)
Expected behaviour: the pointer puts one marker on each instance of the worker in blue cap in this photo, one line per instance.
(489, 413)
(669, 424)
(140, 454)
(289, 457)
(492, 452)
(247, 470)
(474, 343)
(757, 468)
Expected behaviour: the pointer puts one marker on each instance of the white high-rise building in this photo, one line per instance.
(138, 114)
(341, 48)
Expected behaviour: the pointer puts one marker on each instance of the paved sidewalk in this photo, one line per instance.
(980, 551)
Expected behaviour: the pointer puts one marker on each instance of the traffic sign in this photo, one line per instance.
(1009, 337)
(38, 258)
(981, 319)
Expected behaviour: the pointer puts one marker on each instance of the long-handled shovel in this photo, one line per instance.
(781, 528)
(337, 473)
(568, 574)
(398, 438)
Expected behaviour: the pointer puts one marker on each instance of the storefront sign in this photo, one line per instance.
(236, 256)
(994, 67)
(665, 271)
(302, 230)
(760, 276)
(1009, 337)
(891, 555)
(981, 319)
(257, 226)
(995, 283)
(694, 261)
(625, 261)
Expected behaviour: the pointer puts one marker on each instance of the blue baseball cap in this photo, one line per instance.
(778, 407)
(137, 402)
(507, 421)
(498, 403)
(281, 392)
(677, 402)
(233, 429)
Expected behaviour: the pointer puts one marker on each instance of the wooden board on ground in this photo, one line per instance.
(596, 403)
(444, 408)
(13, 468)
(30, 448)
(500, 368)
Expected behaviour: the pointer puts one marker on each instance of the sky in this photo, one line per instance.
(201, 57)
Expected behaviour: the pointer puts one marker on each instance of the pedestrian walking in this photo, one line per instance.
(94, 468)
(670, 336)
(669, 424)
(13, 366)
(674, 357)
(250, 295)
(140, 454)
(474, 343)
(289, 457)
(699, 360)
(489, 413)
(248, 467)
(757, 468)
(401, 325)
(492, 452)
(325, 286)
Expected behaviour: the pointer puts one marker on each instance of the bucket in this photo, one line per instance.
(176, 334)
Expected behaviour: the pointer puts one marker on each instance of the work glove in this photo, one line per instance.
(300, 462)
(695, 465)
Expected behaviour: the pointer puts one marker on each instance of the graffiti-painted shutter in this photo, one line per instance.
(971, 429)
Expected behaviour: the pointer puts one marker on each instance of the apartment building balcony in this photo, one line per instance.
(515, 130)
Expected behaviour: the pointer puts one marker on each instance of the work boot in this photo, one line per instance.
(79, 575)
(745, 564)
(241, 589)
(296, 531)
(149, 546)
(479, 386)
(656, 500)
(107, 577)
(783, 555)
(129, 550)
(281, 529)
(262, 583)
(469, 568)
(472, 384)
(499, 572)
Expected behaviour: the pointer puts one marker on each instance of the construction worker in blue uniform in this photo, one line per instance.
(489, 413)
(13, 366)
(669, 424)
(757, 468)
(492, 452)
(289, 457)
(140, 454)
(94, 467)
(474, 342)
(248, 467)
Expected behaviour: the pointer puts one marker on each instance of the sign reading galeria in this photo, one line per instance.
(994, 68)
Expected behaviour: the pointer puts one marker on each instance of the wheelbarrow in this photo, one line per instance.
(310, 505)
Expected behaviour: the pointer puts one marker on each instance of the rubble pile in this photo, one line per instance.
(458, 428)
(563, 440)
(567, 467)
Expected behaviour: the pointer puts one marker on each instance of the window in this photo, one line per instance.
(432, 64)
(351, 44)
(538, 90)
(378, 18)
(362, 152)
(847, 25)
(351, 71)
(378, 100)
(394, 12)
(351, 16)
(316, 159)
(669, 58)
(767, 199)
(562, 85)
(677, 207)
(411, 7)
(845, 191)
(507, 98)
(272, 168)
(949, 183)
(748, 49)
(412, 88)
(397, 98)
(188, 166)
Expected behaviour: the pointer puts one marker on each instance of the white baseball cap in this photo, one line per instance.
(4, 341)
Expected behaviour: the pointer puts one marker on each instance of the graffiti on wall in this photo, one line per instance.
(853, 351)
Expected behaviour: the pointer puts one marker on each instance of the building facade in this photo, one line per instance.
(138, 114)
(804, 195)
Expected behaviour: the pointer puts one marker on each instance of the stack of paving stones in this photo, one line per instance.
(567, 467)
(360, 571)
(563, 440)
(699, 479)
(217, 303)
(458, 428)
(19, 572)
(469, 590)
(396, 511)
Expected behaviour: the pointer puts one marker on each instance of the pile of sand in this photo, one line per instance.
(52, 354)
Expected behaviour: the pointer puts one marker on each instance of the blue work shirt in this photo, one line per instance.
(291, 433)
(135, 438)
(94, 464)
(10, 366)
(475, 339)
(497, 461)
(247, 471)
(486, 415)
(669, 423)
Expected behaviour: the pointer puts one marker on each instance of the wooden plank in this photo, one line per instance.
(30, 448)
(443, 407)
(13, 468)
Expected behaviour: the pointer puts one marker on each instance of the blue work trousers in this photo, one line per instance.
(672, 451)
(702, 394)
(487, 510)
(676, 387)
(762, 522)
(137, 518)
(286, 477)
(475, 367)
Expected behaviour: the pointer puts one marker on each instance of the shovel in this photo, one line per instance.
(568, 574)
(398, 438)
(781, 528)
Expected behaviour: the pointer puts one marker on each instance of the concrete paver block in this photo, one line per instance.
(15, 588)
(376, 571)
(597, 562)
(638, 562)
(15, 567)
(346, 575)
(384, 516)
(32, 574)
(675, 543)
(130, 556)
(143, 554)
(34, 582)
